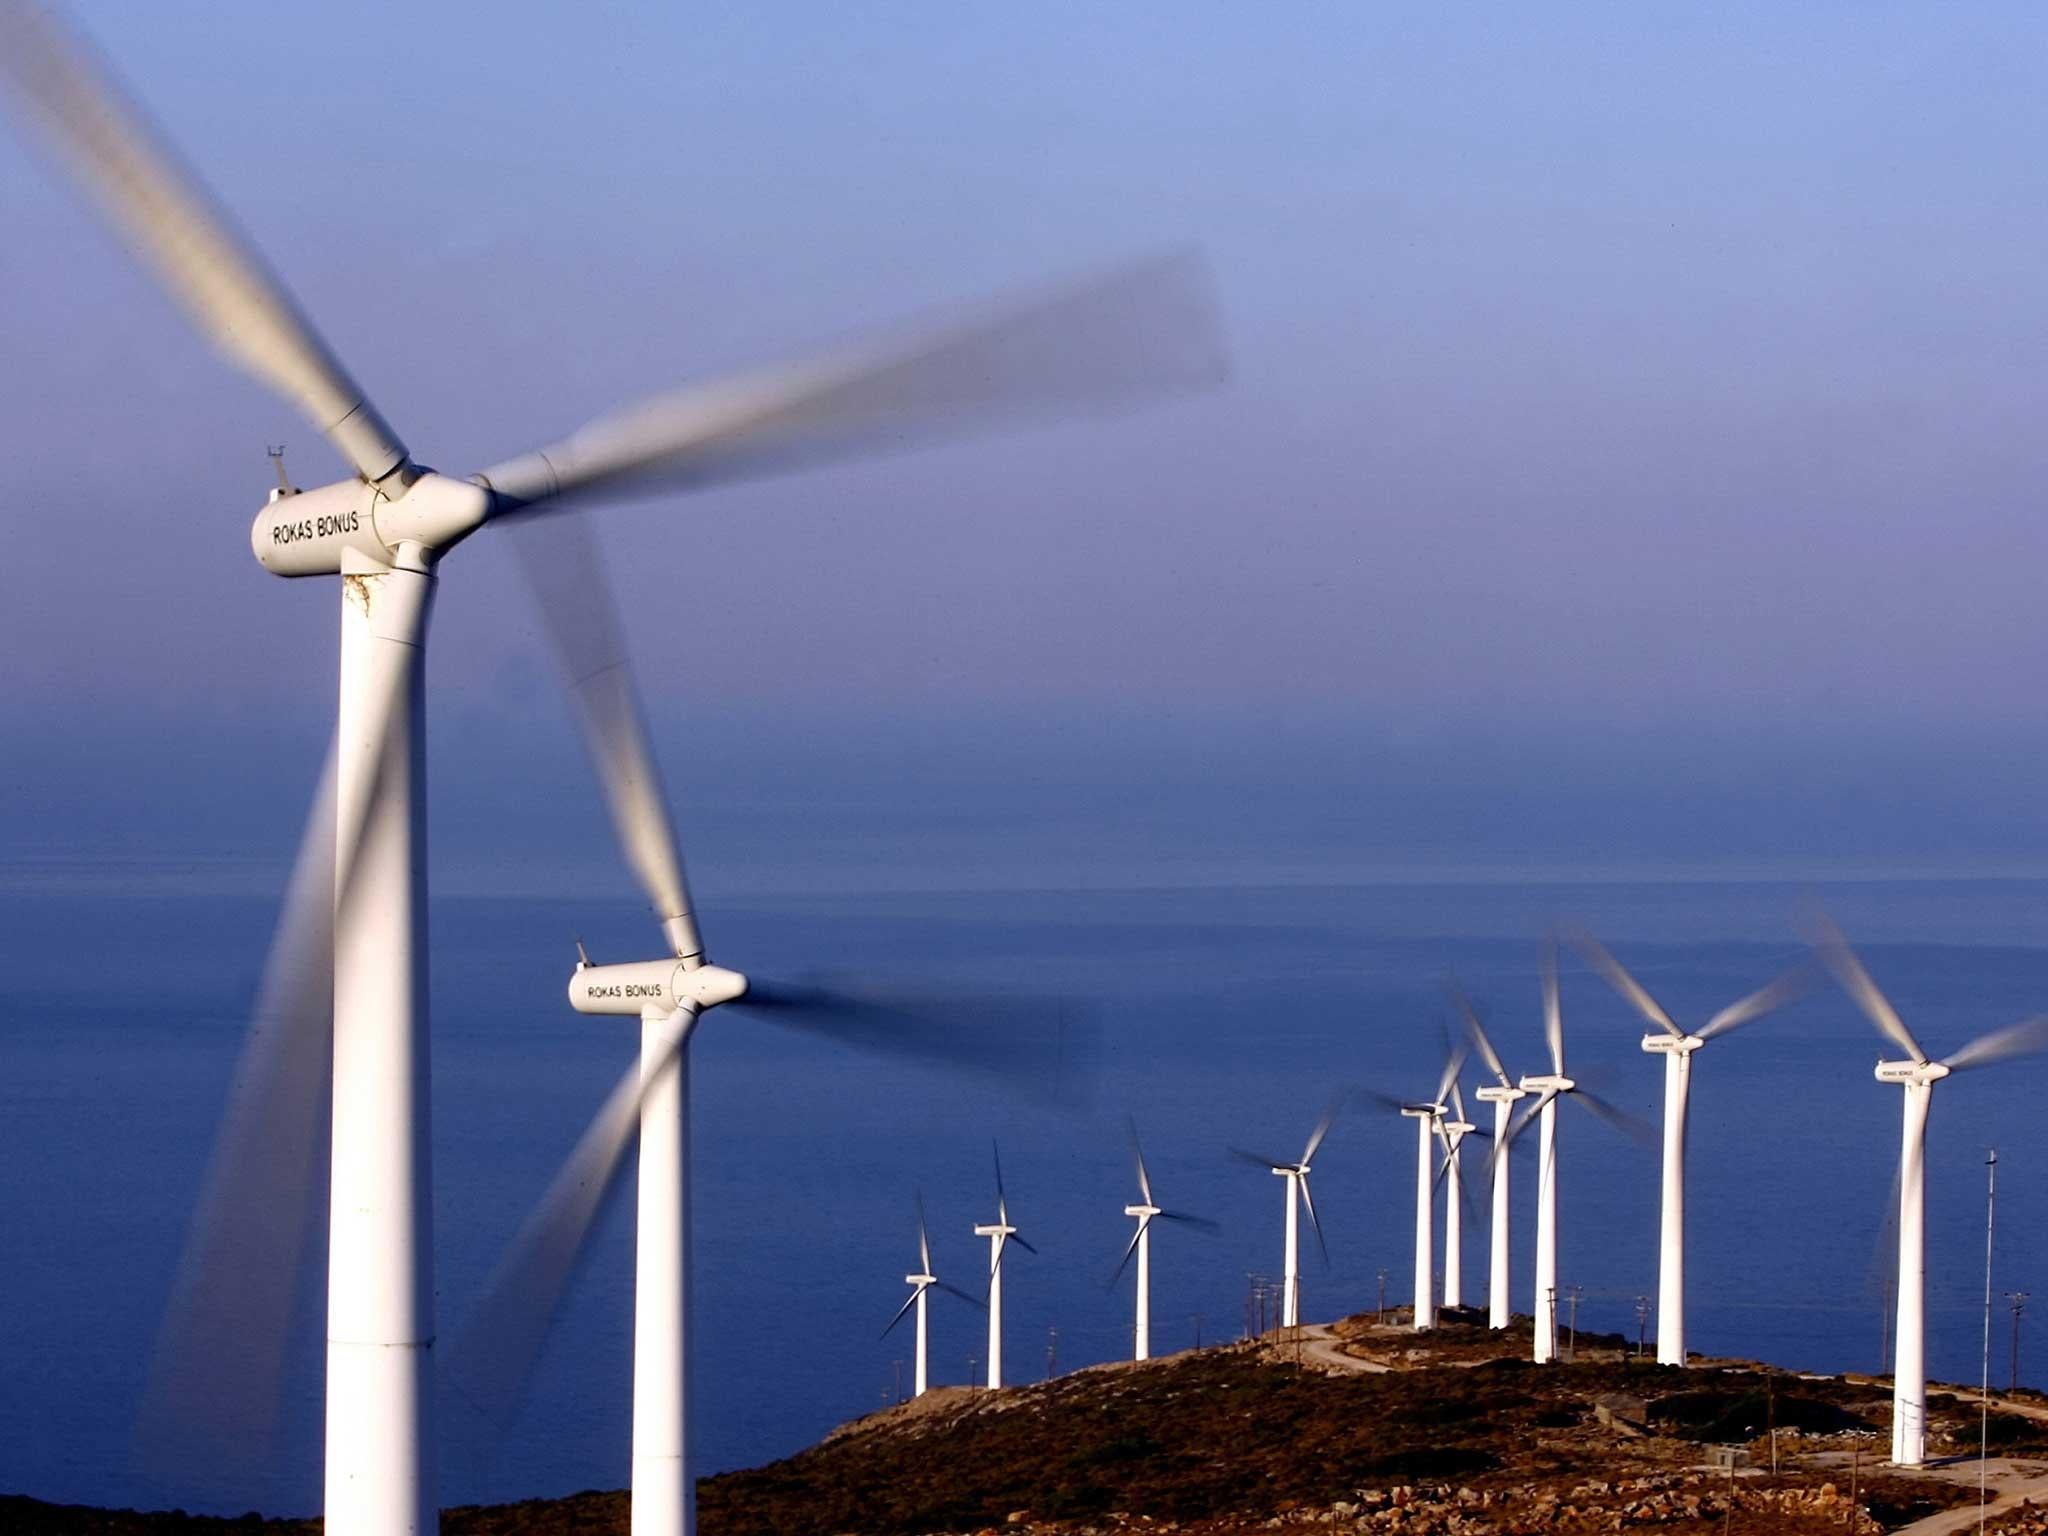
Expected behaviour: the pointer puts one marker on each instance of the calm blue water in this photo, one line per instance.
(1232, 1015)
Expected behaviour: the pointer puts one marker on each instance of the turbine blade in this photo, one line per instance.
(2021, 1039)
(212, 1396)
(177, 229)
(1834, 952)
(493, 1355)
(1380, 1100)
(1129, 1249)
(1617, 977)
(1033, 1045)
(1138, 1152)
(909, 1302)
(1018, 1239)
(1002, 1203)
(1477, 1032)
(564, 570)
(1267, 1163)
(954, 1290)
(1314, 1221)
(924, 1242)
(1637, 1130)
(1789, 987)
(1144, 331)
(1315, 1139)
(1521, 1123)
(1458, 1104)
(1553, 1011)
(1203, 1223)
(1454, 1063)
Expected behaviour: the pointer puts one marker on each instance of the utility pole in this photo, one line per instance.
(972, 1362)
(2017, 1300)
(1052, 1352)
(896, 1366)
(1383, 1298)
(1984, 1400)
(1198, 1330)
(1642, 1323)
(1571, 1351)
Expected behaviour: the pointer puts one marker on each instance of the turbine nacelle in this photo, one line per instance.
(1912, 1073)
(922, 1282)
(1499, 1093)
(1423, 1111)
(1457, 1129)
(1554, 1082)
(1142, 1212)
(343, 526)
(996, 1229)
(660, 986)
(1667, 1044)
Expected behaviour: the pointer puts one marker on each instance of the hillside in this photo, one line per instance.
(1350, 1426)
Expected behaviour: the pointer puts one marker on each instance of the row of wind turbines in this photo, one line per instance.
(1442, 1128)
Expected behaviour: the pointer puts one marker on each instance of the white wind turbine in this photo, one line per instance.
(494, 1354)
(1453, 1129)
(1549, 1088)
(1297, 1194)
(1428, 1116)
(1676, 1046)
(1147, 1212)
(1502, 1093)
(921, 1285)
(1917, 1076)
(384, 532)
(1000, 1234)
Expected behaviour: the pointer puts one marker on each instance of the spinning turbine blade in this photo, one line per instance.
(1268, 1163)
(1840, 960)
(1315, 1138)
(903, 1310)
(1202, 1222)
(1129, 1249)
(1143, 331)
(1138, 1152)
(1002, 1201)
(924, 1242)
(213, 1389)
(176, 227)
(1767, 999)
(1018, 1239)
(564, 569)
(493, 1356)
(1520, 1123)
(1553, 1012)
(1477, 1033)
(1309, 1204)
(2021, 1039)
(1638, 997)
(1454, 1063)
(954, 1290)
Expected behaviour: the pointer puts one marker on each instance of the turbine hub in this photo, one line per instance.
(1549, 1083)
(1664, 1044)
(1499, 1093)
(662, 985)
(1912, 1073)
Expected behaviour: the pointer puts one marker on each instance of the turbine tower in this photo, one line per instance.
(1549, 1088)
(1676, 1046)
(1141, 1244)
(1502, 1093)
(1428, 1117)
(344, 1002)
(1916, 1076)
(1453, 1131)
(1295, 1176)
(921, 1284)
(1000, 1234)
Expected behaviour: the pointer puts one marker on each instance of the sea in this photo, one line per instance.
(1223, 1015)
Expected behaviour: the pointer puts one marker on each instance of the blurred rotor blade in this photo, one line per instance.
(1635, 1129)
(493, 1355)
(1477, 1032)
(178, 230)
(1267, 1163)
(1129, 1249)
(1315, 1138)
(1314, 1221)
(954, 1290)
(924, 1242)
(212, 1395)
(1617, 977)
(1454, 1063)
(1521, 1123)
(1201, 1222)
(1002, 1201)
(1040, 1046)
(1834, 952)
(1553, 1011)
(1380, 1100)
(2021, 1039)
(564, 569)
(1018, 1239)
(1135, 333)
(1138, 1152)
(902, 1311)
(1458, 1106)
(1790, 987)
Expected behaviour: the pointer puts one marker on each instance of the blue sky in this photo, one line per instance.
(1632, 450)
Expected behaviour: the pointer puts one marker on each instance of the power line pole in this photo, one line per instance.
(1052, 1352)
(1198, 1330)
(1571, 1351)
(1984, 1409)
(1383, 1298)
(1642, 1324)
(2017, 1300)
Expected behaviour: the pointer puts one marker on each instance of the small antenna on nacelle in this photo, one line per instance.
(582, 957)
(284, 481)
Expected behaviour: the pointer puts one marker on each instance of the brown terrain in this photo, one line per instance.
(1349, 1426)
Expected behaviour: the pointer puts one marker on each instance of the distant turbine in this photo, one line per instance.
(1141, 1244)
(1676, 1047)
(1502, 1094)
(921, 1283)
(1550, 1088)
(1296, 1175)
(1428, 1117)
(1000, 1233)
(1917, 1076)
(1453, 1131)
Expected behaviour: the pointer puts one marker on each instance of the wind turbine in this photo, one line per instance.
(384, 532)
(921, 1284)
(1428, 1116)
(1676, 1046)
(1000, 1234)
(1549, 1088)
(1453, 1130)
(1917, 1076)
(1141, 1244)
(1296, 1176)
(1502, 1093)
